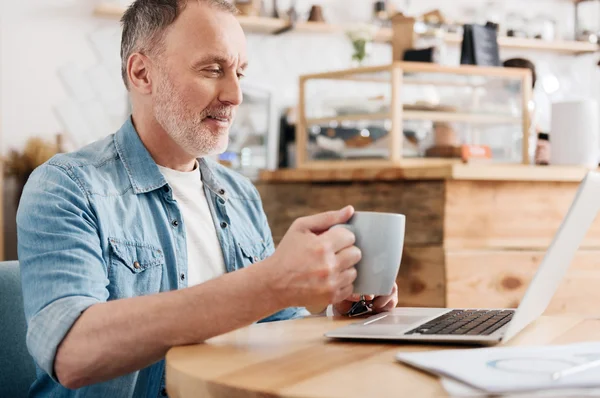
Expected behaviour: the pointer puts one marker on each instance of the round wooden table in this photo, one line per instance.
(294, 359)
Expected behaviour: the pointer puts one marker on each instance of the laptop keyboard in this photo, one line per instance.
(465, 322)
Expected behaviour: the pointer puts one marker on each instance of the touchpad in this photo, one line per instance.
(397, 320)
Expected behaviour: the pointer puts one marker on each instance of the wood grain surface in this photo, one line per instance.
(422, 202)
(422, 277)
(294, 359)
(499, 279)
(508, 214)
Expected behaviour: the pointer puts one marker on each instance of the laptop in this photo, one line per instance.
(481, 326)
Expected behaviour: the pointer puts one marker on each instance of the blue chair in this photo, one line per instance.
(17, 371)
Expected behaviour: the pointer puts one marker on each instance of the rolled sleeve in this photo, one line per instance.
(49, 327)
(63, 271)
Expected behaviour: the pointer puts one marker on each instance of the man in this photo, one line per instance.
(128, 247)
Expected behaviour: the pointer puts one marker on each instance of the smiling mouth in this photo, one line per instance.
(219, 119)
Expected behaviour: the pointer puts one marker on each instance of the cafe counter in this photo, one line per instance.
(475, 233)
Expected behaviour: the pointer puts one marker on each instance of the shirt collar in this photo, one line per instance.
(142, 170)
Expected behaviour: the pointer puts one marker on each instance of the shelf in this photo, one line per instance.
(348, 118)
(249, 23)
(517, 43)
(109, 10)
(271, 25)
(560, 46)
(435, 116)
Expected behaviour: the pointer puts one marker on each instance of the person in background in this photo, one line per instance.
(138, 242)
(522, 63)
(542, 150)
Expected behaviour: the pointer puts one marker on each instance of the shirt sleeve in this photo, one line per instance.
(62, 268)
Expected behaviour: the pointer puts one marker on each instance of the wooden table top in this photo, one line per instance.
(294, 359)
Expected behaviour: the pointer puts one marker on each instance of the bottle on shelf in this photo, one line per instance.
(381, 16)
(542, 150)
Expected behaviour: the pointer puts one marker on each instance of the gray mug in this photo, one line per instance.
(380, 238)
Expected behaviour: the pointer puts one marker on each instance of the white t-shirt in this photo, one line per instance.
(205, 259)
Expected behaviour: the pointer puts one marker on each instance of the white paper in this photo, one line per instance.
(458, 389)
(511, 369)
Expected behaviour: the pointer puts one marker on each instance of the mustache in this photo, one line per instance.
(222, 112)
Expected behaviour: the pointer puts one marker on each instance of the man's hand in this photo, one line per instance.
(313, 264)
(380, 303)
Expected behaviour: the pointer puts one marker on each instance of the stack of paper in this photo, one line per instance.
(458, 389)
(504, 370)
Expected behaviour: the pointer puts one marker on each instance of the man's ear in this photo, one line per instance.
(138, 73)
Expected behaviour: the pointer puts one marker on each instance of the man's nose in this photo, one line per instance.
(231, 93)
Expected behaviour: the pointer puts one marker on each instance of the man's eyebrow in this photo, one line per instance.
(215, 59)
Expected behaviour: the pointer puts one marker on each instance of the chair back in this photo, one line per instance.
(17, 370)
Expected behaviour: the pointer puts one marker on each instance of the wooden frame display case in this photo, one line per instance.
(381, 116)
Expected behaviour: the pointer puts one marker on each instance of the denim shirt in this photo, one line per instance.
(101, 224)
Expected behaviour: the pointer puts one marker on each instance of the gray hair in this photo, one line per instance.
(145, 21)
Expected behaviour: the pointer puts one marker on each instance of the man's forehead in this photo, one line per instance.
(203, 29)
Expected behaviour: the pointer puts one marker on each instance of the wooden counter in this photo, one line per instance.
(475, 234)
(430, 170)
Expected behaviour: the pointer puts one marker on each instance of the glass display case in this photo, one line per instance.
(383, 114)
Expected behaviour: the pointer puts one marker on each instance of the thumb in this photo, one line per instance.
(323, 221)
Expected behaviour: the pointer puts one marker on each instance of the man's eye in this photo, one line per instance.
(240, 75)
(214, 71)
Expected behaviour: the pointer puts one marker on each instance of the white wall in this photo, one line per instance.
(41, 37)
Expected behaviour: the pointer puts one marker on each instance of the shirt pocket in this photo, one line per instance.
(135, 268)
(252, 252)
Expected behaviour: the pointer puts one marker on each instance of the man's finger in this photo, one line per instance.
(381, 301)
(342, 294)
(358, 297)
(318, 223)
(347, 278)
(348, 258)
(339, 237)
(388, 307)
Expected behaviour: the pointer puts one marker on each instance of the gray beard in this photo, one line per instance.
(184, 126)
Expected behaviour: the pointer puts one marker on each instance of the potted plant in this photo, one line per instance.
(361, 38)
(20, 165)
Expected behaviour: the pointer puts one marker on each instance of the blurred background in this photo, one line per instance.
(60, 68)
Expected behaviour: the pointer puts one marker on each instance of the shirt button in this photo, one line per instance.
(182, 276)
(136, 265)
(175, 223)
(255, 258)
(222, 191)
(223, 224)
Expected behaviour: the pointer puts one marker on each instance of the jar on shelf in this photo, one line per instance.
(542, 149)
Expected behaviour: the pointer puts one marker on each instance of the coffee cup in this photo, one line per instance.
(380, 238)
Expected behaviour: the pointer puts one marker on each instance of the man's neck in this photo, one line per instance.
(161, 146)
